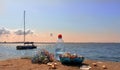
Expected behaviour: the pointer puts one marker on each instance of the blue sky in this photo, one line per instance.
(63, 16)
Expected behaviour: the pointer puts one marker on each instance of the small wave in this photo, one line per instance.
(109, 58)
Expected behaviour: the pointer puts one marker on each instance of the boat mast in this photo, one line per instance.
(24, 26)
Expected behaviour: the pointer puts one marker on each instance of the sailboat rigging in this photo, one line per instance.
(26, 44)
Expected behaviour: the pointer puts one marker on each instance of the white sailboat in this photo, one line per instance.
(27, 45)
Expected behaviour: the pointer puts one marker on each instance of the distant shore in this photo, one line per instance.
(25, 64)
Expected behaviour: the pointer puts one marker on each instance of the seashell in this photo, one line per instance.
(95, 64)
(53, 67)
(72, 57)
(49, 64)
(65, 55)
(104, 67)
(55, 64)
(84, 67)
(75, 54)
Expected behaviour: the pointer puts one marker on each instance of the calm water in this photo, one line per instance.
(110, 51)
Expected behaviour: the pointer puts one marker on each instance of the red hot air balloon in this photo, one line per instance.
(60, 36)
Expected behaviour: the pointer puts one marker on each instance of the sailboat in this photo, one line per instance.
(27, 45)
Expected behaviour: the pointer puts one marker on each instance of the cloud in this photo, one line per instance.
(21, 32)
(4, 31)
(28, 32)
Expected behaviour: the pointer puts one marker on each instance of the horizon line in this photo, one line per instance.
(53, 42)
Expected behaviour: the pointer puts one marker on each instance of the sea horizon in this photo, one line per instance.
(64, 42)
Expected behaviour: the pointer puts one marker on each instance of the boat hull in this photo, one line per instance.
(26, 47)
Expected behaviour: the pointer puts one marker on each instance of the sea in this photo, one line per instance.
(94, 51)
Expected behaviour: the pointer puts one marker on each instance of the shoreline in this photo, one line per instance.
(25, 64)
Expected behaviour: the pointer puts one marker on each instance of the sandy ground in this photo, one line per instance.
(25, 64)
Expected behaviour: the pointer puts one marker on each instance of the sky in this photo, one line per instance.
(76, 20)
